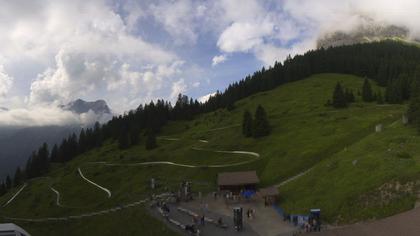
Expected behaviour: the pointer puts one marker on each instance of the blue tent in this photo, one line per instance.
(248, 194)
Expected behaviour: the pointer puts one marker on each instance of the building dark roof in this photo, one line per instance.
(270, 191)
(237, 178)
(9, 227)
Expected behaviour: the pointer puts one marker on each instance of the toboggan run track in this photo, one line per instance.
(256, 156)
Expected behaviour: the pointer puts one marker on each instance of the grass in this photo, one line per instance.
(349, 186)
(305, 134)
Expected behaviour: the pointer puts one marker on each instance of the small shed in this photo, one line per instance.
(269, 194)
(237, 181)
(10, 229)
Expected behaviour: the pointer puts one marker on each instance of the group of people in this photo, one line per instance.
(199, 220)
(250, 213)
(312, 225)
(192, 229)
(196, 222)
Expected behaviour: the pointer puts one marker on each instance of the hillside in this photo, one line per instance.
(306, 135)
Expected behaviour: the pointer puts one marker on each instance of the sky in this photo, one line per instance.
(129, 52)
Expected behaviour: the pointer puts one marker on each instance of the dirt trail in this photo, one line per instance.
(15, 195)
(93, 183)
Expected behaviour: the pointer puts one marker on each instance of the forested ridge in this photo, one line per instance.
(391, 64)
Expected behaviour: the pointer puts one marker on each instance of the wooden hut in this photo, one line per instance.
(237, 181)
(269, 195)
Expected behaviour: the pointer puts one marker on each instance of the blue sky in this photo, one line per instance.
(132, 51)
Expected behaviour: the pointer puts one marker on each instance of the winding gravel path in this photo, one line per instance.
(15, 195)
(256, 156)
(150, 163)
(93, 183)
(293, 177)
(57, 202)
(80, 216)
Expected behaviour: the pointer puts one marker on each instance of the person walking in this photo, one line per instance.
(202, 220)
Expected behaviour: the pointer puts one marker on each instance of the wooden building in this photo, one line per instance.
(237, 181)
(269, 195)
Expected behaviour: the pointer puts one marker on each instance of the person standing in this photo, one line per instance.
(202, 220)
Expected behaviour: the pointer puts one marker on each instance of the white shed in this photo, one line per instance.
(12, 230)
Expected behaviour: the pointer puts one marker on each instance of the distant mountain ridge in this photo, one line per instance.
(365, 33)
(80, 106)
(17, 143)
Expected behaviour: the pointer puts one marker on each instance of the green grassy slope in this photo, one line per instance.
(375, 177)
(305, 134)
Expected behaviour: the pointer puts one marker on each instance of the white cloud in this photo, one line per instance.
(38, 116)
(272, 30)
(178, 87)
(93, 49)
(218, 59)
(83, 49)
(177, 18)
(6, 82)
(196, 84)
(206, 97)
(93, 53)
(48, 115)
(243, 36)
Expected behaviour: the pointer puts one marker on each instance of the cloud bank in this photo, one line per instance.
(129, 52)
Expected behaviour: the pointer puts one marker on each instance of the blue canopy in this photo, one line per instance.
(248, 193)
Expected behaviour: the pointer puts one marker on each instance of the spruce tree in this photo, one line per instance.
(349, 96)
(247, 123)
(151, 140)
(124, 140)
(134, 135)
(393, 92)
(3, 189)
(339, 98)
(261, 125)
(8, 182)
(28, 167)
(367, 94)
(379, 97)
(82, 143)
(43, 160)
(54, 154)
(17, 180)
(413, 112)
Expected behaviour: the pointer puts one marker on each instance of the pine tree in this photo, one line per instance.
(54, 154)
(349, 96)
(413, 112)
(97, 134)
(367, 94)
(44, 162)
(28, 167)
(3, 189)
(151, 140)
(339, 98)
(134, 135)
(18, 177)
(379, 97)
(124, 140)
(82, 143)
(261, 126)
(393, 92)
(8, 182)
(247, 123)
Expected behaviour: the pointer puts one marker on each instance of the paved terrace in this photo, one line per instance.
(267, 222)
